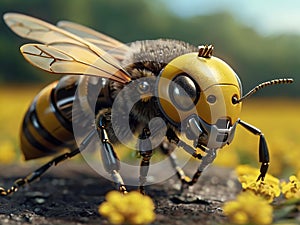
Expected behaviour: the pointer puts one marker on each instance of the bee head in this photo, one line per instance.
(203, 87)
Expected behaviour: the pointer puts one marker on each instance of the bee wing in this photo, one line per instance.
(70, 59)
(108, 44)
(63, 49)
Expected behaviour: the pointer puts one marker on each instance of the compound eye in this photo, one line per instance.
(184, 92)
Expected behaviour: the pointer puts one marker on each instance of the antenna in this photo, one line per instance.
(262, 85)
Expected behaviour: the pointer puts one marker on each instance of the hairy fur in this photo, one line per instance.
(145, 60)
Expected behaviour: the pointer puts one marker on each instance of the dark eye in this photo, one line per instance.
(183, 92)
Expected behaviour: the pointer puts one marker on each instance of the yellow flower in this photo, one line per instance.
(248, 209)
(292, 188)
(268, 189)
(132, 208)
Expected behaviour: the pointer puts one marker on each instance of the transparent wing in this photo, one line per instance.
(63, 49)
(108, 44)
(69, 59)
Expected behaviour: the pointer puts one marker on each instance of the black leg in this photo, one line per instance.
(205, 161)
(264, 158)
(173, 138)
(40, 171)
(208, 159)
(168, 149)
(110, 159)
(145, 149)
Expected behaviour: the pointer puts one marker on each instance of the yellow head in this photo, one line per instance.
(203, 87)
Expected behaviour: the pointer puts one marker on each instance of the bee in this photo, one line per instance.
(156, 89)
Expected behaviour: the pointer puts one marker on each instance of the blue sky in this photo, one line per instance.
(266, 16)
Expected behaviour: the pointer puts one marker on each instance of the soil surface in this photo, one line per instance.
(71, 193)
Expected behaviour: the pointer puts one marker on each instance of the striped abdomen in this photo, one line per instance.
(47, 126)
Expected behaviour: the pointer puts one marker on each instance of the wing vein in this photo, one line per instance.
(48, 34)
(55, 59)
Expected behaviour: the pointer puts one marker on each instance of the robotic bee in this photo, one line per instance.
(156, 89)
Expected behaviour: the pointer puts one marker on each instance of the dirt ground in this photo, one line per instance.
(71, 193)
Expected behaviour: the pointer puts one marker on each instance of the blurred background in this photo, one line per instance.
(259, 39)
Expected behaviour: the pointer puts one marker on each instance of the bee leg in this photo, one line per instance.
(40, 171)
(186, 180)
(208, 159)
(264, 158)
(109, 157)
(145, 150)
(168, 149)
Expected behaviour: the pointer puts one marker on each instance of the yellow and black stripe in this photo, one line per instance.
(46, 130)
